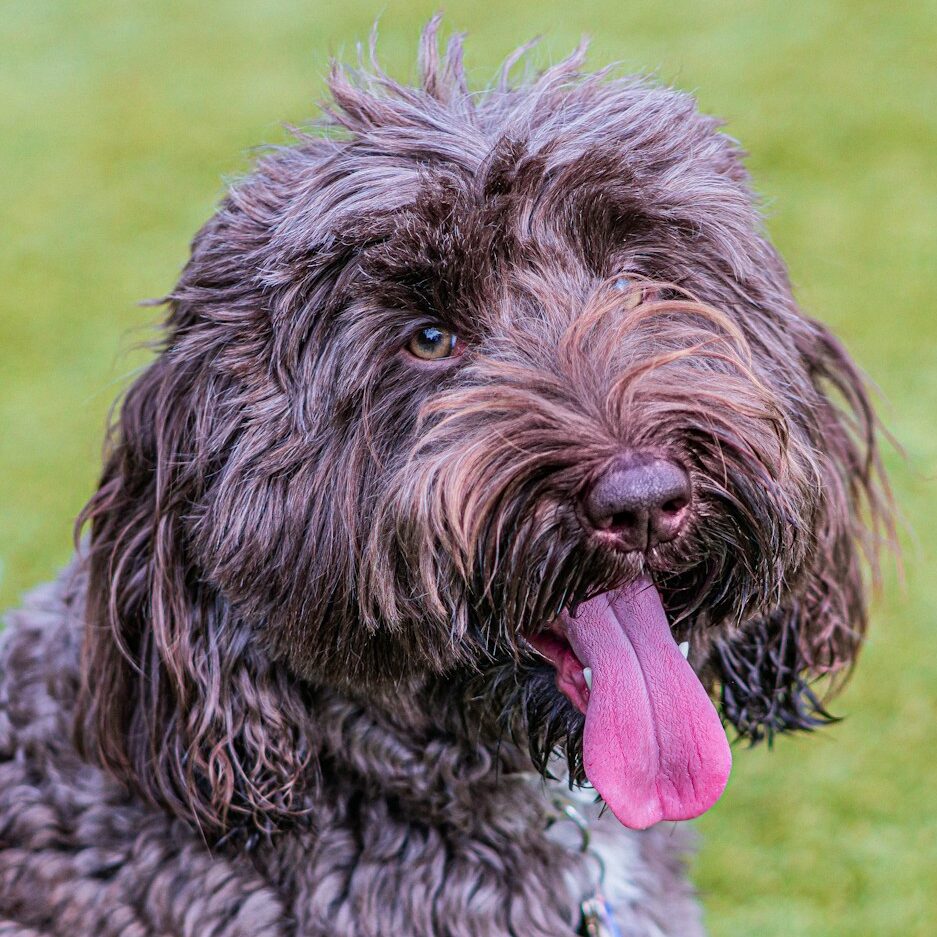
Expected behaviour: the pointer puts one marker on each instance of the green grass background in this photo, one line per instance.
(118, 121)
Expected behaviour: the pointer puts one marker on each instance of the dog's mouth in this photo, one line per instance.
(653, 745)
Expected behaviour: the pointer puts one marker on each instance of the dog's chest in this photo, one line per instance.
(521, 867)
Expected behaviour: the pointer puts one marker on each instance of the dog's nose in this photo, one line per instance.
(640, 500)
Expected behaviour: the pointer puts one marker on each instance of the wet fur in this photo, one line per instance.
(302, 693)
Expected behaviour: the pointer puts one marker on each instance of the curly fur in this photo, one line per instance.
(284, 687)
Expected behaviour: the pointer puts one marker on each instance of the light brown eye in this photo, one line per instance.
(433, 344)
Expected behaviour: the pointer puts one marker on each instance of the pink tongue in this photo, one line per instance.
(654, 747)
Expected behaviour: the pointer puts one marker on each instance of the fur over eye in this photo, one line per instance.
(433, 344)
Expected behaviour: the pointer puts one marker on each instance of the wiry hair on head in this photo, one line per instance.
(292, 504)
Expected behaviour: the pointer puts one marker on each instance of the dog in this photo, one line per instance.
(487, 468)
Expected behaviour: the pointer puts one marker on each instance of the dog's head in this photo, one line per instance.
(440, 385)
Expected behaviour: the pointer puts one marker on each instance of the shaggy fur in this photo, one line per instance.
(284, 688)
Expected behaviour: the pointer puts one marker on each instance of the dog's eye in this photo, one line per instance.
(634, 293)
(433, 344)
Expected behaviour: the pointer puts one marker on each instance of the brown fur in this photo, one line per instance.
(312, 561)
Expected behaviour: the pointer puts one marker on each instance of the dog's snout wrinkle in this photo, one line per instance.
(639, 501)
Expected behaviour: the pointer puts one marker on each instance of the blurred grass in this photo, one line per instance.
(118, 121)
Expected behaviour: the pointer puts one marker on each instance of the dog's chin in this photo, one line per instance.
(652, 742)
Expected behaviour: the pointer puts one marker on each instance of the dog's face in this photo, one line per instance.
(435, 384)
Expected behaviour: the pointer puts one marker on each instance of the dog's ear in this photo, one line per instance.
(768, 667)
(175, 699)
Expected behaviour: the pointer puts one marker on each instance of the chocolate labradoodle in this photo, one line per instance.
(485, 450)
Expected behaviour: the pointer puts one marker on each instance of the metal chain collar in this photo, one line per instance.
(598, 915)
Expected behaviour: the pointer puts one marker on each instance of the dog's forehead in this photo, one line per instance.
(517, 203)
(450, 209)
(454, 232)
(515, 225)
